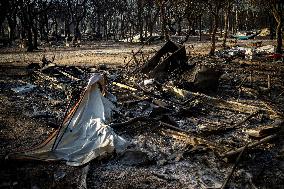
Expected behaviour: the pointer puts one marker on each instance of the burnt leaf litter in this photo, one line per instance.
(187, 118)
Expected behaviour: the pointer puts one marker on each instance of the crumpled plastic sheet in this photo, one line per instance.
(84, 135)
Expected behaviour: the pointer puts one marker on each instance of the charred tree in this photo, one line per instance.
(277, 11)
(77, 11)
(226, 21)
(161, 4)
(214, 7)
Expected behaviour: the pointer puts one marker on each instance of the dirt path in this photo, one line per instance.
(85, 55)
(101, 53)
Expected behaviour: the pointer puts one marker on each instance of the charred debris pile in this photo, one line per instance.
(191, 121)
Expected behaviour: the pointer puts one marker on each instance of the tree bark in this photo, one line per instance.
(46, 27)
(279, 37)
(67, 28)
(56, 26)
(140, 21)
(200, 25)
(226, 27)
(163, 17)
(35, 33)
(77, 33)
(12, 28)
(213, 35)
(99, 23)
(277, 15)
(271, 28)
(30, 40)
(236, 20)
(121, 36)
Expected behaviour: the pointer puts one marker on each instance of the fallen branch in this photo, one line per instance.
(272, 107)
(149, 94)
(223, 129)
(134, 54)
(250, 91)
(233, 169)
(242, 83)
(124, 86)
(223, 104)
(251, 145)
(45, 77)
(134, 57)
(141, 88)
(237, 125)
(68, 75)
(263, 131)
(53, 81)
(131, 121)
(186, 136)
(280, 94)
(173, 127)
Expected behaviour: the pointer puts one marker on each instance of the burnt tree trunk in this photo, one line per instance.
(77, 33)
(12, 28)
(35, 36)
(45, 27)
(163, 17)
(271, 27)
(277, 15)
(213, 35)
(140, 21)
(56, 27)
(98, 23)
(27, 23)
(279, 37)
(200, 27)
(30, 40)
(122, 28)
(226, 24)
(67, 29)
(236, 29)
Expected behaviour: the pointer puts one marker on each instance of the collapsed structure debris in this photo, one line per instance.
(171, 62)
(180, 134)
(250, 53)
(169, 58)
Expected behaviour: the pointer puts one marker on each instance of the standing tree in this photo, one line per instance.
(11, 16)
(29, 13)
(227, 9)
(77, 10)
(162, 5)
(214, 7)
(277, 9)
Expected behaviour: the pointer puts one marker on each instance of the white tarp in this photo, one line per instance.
(249, 52)
(84, 135)
(268, 49)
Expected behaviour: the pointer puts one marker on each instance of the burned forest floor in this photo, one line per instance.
(185, 127)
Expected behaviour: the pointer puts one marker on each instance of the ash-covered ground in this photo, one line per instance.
(177, 138)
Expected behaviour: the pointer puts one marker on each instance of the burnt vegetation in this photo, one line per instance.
(195, 87)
